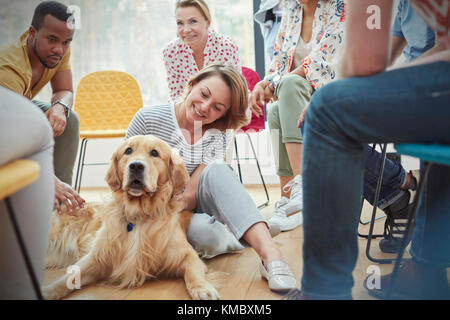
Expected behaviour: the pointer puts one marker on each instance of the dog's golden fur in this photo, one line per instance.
(96, 238)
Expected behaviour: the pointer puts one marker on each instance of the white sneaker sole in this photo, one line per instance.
(290, 222)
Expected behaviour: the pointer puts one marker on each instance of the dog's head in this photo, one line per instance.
(144, 164)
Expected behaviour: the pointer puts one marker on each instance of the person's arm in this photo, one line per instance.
(189, 195)
(397, 46)
(300, 71)
(366, 51)
(438, 53)
(138, 125)
(398, 42)
(171, 75)
(62, 91)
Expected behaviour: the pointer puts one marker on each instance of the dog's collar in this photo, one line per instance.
(130, 227)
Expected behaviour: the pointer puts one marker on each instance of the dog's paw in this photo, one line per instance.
(49, 293)
(204, 292)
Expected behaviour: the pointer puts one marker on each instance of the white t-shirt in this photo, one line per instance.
(302, 50)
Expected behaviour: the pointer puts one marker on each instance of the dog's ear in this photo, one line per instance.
(112, 175)
(177, 172)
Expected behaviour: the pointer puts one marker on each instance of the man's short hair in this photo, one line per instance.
(53, 8)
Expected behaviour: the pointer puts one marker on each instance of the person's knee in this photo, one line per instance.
(322, 100)
(214, 170)
(294, 83)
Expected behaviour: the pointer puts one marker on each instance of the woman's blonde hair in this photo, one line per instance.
(199, 4)
(236, 116)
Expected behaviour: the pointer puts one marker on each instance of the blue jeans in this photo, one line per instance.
(393, 177)
(403, 105)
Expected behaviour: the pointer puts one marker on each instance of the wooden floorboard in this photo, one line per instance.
(239, 275)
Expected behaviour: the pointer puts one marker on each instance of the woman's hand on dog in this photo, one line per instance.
(66, 195)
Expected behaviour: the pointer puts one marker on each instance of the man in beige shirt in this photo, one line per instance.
(39, 56)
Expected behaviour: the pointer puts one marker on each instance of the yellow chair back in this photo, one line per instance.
(16, 175)
(106, 102)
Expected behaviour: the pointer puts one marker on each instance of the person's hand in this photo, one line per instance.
(269, 95)
(57, 117)
(257, 98)
(302, 117)
(65, 194)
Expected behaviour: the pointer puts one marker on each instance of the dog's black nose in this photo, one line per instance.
(136, 167)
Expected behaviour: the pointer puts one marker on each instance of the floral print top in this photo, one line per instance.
(436, 13)
(180, 63)
(327, 36)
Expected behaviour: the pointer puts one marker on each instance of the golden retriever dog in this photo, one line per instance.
(140, 234)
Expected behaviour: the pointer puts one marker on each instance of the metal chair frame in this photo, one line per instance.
(24, 251)
(411, 214)
(237, 158)
(373, 218)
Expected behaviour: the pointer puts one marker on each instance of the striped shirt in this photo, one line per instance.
(161, 122)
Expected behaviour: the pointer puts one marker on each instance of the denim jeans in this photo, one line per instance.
(393, 177)
(399, 106)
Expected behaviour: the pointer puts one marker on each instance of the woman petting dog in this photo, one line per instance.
(200, 126)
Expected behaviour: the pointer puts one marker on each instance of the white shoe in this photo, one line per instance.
(280, 217)
(296, 200)
(279, 276)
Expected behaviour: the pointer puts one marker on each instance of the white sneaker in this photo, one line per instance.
(296, 201)
(282, 219)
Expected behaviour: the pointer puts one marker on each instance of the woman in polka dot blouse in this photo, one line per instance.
(196, 47)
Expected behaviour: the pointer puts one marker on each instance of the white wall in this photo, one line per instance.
(102, 150)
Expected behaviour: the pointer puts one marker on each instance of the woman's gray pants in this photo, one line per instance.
(225, 211)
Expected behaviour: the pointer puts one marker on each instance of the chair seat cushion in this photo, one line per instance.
(436, 153)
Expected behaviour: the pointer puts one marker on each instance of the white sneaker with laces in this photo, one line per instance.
(296, 200)
(282, 219)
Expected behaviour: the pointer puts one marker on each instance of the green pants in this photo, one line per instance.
(66, 146)
(293, 95)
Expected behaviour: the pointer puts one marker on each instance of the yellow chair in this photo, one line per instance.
(105, 102)
(15, 176)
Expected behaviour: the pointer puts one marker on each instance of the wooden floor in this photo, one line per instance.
(242, 279)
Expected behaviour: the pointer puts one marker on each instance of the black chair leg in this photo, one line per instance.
(411, 214)
(260, 174)
(237, 158)
(370, 235)
(23, 249)
(79, 175)
(79, 164)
